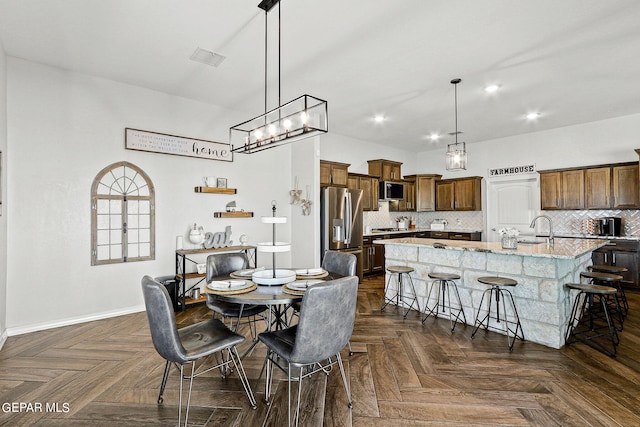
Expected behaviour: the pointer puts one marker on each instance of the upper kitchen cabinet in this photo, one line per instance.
(386, 170)
(425, 191)
(333, 174)
(460, 194)
(596, 187)
(369, 186)
(625, 187)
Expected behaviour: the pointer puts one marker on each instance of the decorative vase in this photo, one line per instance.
(509, 242)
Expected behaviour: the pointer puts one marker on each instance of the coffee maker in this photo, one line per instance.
(610, 226)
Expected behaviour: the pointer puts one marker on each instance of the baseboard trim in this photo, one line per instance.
(3, 338)
(10, 332)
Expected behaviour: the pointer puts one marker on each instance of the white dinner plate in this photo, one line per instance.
(301, 285)
(309, 271)
(225, 285)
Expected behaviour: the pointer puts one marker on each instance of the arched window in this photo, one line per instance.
(122, 215)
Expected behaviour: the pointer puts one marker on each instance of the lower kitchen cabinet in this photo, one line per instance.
(373, 255)
(623, 253)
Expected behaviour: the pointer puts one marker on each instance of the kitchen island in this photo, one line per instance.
(541, 271)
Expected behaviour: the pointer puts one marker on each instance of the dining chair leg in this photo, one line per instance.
(268, 373)
(297, 415)
(235, 358)
(344, 380)
(163, 384)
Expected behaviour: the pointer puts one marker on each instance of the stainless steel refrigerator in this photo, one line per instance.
(341, 222)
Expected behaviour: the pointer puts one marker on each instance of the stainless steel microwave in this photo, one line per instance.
(391, 190)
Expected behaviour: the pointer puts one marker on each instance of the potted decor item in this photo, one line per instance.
(509, 238)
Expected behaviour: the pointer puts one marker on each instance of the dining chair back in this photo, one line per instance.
(341, 263)
(324, 327)
(225, 263)
(188, 344)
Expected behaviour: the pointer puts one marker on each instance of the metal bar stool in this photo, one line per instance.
(496, 289)
(585, 322)
(443, 282)
(609, 280)
(398, 271)
(614, 269)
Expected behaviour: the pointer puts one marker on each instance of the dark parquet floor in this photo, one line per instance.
(402, 373)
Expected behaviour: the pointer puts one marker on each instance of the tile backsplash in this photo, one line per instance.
(564, 222)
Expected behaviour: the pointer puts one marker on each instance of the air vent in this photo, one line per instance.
(207, 57)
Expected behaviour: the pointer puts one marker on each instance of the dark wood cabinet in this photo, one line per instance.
(373, 254)
(597, 188)
(333, 174)
(625, 187)
(461, 194)
(369, 186)
(385, 170)
(425, 191)
(408, 204)
(612, 186)
(623, 253)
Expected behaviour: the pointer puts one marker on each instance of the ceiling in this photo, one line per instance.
(574, 61)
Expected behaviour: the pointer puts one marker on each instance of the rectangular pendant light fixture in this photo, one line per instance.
(301, 118)
(456, 159)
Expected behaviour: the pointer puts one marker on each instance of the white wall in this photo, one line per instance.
(3, 195)
(63, 128)
(605, 141)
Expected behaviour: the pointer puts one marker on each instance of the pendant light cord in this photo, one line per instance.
(455, 90)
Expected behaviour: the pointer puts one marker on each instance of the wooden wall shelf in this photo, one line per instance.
(233, 214)
(215, 190)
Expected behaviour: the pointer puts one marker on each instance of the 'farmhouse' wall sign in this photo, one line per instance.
(141, 140)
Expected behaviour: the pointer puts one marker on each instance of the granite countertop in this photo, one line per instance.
(562, 247)
(420, 230)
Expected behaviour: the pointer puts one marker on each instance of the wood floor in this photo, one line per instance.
(403, 373)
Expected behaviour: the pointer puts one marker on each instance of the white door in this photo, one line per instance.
(512, 202)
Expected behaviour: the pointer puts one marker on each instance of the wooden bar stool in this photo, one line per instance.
(496, 291)
(443, 282)
(611, 280)
(590, 318)
(397, 271)
(614, 269)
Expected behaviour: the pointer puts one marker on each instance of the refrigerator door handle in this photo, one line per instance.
(348, 220)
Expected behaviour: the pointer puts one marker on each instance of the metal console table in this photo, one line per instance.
(183, 257)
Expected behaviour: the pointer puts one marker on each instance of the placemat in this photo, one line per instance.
(314, 276)
(231, 291)
(288, 290)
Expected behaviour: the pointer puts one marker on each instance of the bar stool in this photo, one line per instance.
(398, 271)
(443, 282)
(496, 289)
(610, 280)
(614, 269)
(589, 324)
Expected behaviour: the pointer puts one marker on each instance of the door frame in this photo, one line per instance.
(490, 191)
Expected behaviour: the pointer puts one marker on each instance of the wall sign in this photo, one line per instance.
(513, 170)
(141, 140)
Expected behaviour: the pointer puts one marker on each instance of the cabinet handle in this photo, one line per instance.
(605, 258)
(614, 259)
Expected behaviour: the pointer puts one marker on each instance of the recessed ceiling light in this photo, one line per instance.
(434, 137)
(492, 88)
(379, 119)
(532, 116)
(207, 57)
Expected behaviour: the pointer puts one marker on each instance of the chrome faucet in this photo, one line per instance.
(533, 225)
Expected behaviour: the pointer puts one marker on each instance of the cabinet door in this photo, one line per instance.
(377, 259)
(367, 193)
(444, 196)
(573, 189)
(550, 190)
(466, 195)
(598, 188)
(353, 182)
(395, 171)
(628, 260)
(409, 197)
(339, 175)
(325, 174)
(366, 258)
(425, 194)
(625, 187)
(600, 257)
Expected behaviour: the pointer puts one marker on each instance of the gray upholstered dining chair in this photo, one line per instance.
(341, 263)
(324, 327)
(222, 265)
(188, 344)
